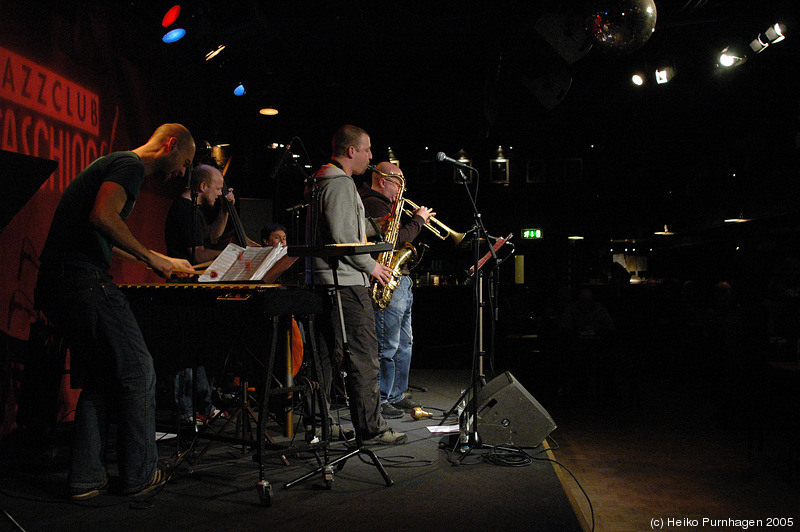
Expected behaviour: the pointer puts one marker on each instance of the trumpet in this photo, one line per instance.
(440, 229)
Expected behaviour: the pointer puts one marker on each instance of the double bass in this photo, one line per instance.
(241, 238)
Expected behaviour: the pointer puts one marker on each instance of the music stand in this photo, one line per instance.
(331, 254)
(20, 176)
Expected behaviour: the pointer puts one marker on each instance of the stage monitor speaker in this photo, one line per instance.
(508, 414)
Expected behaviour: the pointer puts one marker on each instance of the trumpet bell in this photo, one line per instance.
(457, 237)
(436, 226)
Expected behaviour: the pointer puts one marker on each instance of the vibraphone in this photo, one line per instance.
(247, 311)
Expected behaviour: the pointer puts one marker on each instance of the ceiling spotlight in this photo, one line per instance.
(737, 218)
(268, 111)
(239, 90)
(171, 16)
(775, 33)
(174, 35)
(666, 231)
(664, 75)
(637, 79)
(731, 58)
(759, 44)
(215, 52)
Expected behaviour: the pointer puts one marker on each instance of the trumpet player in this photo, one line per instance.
(393, 324)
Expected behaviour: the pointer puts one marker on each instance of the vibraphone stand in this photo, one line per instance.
(263, 486)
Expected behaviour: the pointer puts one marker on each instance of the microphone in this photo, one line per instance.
(442, 158)
(278, 166)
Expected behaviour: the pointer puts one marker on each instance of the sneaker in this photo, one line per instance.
(81, 494)
(213, 414)
(337, 432)
(388, 437)
(159, 479)
(389, 411)
(406, 404)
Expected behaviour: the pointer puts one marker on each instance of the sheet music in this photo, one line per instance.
(236, 263)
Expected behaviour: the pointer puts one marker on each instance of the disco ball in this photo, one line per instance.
(620, 26)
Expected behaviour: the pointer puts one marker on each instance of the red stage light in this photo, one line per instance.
(171, 16)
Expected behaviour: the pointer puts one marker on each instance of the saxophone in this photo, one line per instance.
(395, 258)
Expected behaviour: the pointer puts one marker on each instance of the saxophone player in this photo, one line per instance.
(393, 324)
(336, 215)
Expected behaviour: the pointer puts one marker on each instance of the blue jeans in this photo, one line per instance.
(395, 339)
(183, 393)
(115, 370)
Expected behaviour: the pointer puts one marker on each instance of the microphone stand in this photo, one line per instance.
(195, 212)
(477, 379)
(295, 212)
(286, 151)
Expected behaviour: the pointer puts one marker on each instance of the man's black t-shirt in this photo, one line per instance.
(72, 238)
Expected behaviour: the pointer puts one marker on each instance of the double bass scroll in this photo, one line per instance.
(233, 214)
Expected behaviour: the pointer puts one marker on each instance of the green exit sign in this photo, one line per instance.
(532, 233)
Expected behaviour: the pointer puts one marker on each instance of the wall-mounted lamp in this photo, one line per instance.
(463, 158)
(499, 168)
(392, 157)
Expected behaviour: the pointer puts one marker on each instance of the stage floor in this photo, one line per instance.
(219, 491)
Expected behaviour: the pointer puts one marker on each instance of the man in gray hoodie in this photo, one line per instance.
(336, 215)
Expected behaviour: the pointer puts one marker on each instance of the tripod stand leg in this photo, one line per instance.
(327, 469)
(460, 403)
(377, 463)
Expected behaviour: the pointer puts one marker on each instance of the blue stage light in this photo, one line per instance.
(174, 35)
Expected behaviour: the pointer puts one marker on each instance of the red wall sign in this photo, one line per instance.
(28, 84)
